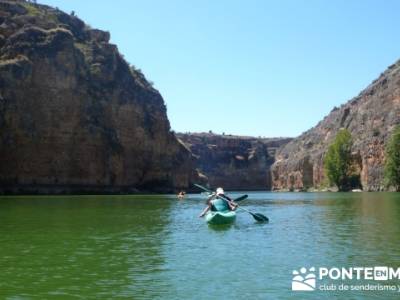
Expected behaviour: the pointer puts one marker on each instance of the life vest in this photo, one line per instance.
(219, 205)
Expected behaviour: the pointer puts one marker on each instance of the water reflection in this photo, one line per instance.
(102, 246)
(146, 247)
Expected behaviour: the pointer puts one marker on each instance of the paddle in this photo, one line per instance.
(236, 199)
(240, 198)
(257, 216)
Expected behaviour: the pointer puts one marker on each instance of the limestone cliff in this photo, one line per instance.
(370, 117)
(234, 162)
(74, 115)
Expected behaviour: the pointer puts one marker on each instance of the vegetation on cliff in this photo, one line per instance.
(392, 162)
(338, 162)
(370, 118)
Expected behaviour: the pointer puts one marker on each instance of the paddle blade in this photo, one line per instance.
(259, 217)
(240, 198)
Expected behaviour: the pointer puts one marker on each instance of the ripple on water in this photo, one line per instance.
(157, 247)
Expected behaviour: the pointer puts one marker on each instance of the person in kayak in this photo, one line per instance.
(219, 193)
(181, 195)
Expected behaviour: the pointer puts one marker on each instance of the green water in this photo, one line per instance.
(153, 247)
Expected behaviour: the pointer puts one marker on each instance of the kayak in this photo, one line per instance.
(220, 217)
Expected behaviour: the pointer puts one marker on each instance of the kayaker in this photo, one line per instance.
(219, 193)
(181, 194)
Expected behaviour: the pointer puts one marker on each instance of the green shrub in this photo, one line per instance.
(338, 161)
(32, 10)
(392, 162)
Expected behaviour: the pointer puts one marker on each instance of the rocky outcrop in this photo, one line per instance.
(234, 162)
(370, 117)
(74, 116)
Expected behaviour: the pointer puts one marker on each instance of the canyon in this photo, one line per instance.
(234, 162)
(370, 117)
(75, 117)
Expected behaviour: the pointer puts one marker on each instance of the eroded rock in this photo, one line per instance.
(370, 117)
(234, 162)
(74, 117)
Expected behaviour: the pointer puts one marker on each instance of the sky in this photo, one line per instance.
(254, 67)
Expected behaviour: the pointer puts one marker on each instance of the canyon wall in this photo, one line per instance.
(234, 162)
(74, 115)
(370, 117)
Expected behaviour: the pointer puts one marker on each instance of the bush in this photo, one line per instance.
(392, 162)
(338, 161)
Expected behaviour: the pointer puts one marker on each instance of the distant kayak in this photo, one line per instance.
(220, 217)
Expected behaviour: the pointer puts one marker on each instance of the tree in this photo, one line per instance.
(392, 162)
(338, 161)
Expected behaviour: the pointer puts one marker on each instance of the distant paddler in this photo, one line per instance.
(181, 195)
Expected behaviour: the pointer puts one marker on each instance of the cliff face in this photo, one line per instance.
(234, 162)
(74, 116)
(370, 117)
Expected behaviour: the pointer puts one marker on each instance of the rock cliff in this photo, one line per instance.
(234, 162)
(370, 117)
(74, 115)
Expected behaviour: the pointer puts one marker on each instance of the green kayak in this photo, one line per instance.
(220, 217)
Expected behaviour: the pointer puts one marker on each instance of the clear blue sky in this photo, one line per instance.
(269, 68)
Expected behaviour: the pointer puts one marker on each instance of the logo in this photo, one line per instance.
(378, 278)
(381, 273)
(303, 280)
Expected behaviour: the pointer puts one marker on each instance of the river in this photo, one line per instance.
(156, 247)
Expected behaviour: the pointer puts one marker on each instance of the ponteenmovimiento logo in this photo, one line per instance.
(327, 279)
(303, 280)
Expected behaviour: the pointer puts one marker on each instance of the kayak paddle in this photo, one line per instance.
(204, 188)
(243, 197)
(257, 216)
(240, 198)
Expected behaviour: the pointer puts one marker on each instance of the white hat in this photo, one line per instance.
(220, 191)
